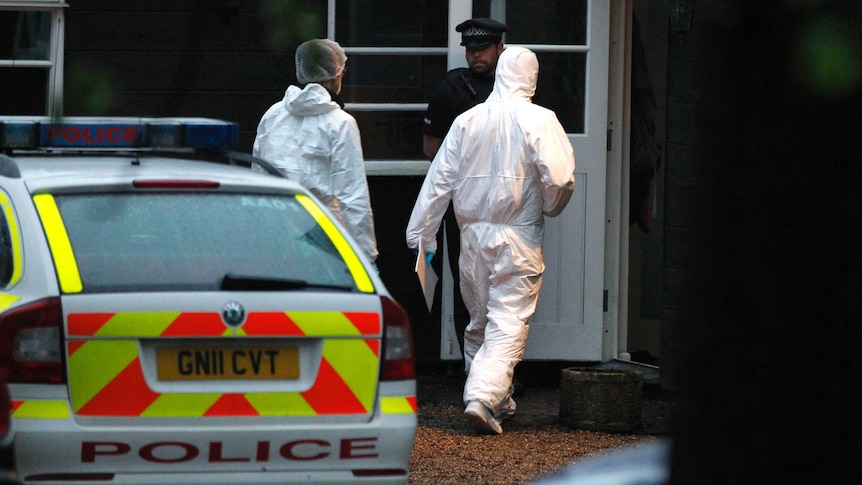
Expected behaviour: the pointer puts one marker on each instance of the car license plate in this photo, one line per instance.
(234, 362)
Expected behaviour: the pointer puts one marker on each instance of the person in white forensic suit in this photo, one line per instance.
(310, 139)
(505, 164)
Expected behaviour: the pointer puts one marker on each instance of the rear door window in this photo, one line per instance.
(193, 241)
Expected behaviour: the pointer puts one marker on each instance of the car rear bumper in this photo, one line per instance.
(230, 450)
(319, 477)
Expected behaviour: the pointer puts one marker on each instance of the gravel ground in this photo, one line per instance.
(534, 442)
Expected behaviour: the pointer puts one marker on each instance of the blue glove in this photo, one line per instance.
(428, 256)
(376, 269)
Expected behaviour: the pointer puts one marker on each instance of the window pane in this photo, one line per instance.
(391, 23)
(390, 135)
(25, 35)
(391, 79)
(555, 22)
(176, 241)
(6, 261)
(22, 90)
(561, 87)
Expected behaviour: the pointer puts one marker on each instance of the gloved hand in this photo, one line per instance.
(428, 256)
(376, 269)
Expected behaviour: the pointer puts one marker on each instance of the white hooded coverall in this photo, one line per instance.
(503, 163)
(311, 140)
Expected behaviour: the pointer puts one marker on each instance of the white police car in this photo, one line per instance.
(167, 319)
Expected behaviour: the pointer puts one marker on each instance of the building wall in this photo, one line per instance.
(165, 58)
(682, 187)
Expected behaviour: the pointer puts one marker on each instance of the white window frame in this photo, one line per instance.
(458, 11)
(54, 63)
(394, 167)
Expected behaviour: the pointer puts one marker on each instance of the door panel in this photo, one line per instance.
(568, 321)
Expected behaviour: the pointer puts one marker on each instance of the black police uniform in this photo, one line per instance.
(460, 91)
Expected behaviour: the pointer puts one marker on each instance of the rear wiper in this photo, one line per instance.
(232, 282)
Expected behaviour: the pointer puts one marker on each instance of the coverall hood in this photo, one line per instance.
(313, 99)
(516, 76)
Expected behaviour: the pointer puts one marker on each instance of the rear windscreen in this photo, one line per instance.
(196, 241)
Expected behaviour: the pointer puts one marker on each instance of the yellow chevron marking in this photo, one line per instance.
(323, 323)
(137, 324)
(58, 240)
(94, 365)
(178, 405)
(360, 276)
(42, 410)
(7, 300)
(354, 361)
(280, 404)
(396, 405)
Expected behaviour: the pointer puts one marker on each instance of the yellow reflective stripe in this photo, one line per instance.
(396, 405)
(42, 410)
(280, 404)
(360, 276)
(94, 365)
(137, 324)
(7, 300)
(178, 405)
(323, 323)
(12, 224)
(357, 365)
(58, 240)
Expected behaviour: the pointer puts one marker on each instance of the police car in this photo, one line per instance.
(166, 317)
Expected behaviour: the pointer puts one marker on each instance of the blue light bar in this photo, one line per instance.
(118, 133)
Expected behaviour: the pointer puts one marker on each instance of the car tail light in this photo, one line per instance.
(31, 343)
(397, 343)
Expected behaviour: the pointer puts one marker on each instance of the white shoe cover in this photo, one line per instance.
(481, 419)
(506, 411)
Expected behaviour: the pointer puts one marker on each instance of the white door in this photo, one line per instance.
(572, 41)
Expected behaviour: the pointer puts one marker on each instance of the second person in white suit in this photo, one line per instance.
(505, 164)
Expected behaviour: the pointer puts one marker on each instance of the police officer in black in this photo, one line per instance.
(464, 87)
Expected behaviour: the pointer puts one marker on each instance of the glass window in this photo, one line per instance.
(562, 75)
(7, 262)
(556, 22)
(17, 93)
(391, 78)
(391, 135)
(176, 241)
(391, 23)
(561, 87)
(25, 35)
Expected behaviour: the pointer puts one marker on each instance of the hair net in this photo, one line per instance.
(319, 60)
